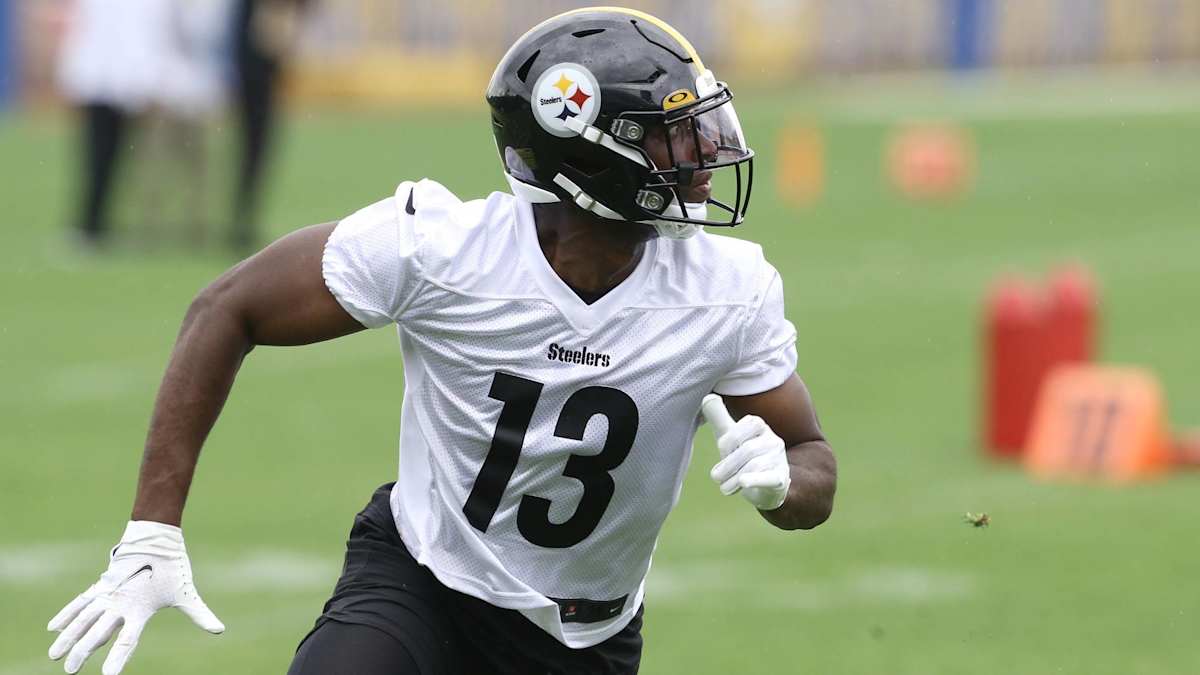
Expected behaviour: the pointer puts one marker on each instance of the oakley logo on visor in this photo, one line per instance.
(678, 98)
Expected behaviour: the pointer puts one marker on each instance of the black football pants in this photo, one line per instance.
(391, 616)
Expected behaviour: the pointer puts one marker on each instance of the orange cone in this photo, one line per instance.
(800, 164)
(931, 161)
(1099, 421)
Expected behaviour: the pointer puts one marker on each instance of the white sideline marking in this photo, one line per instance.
(100, 381)
(34, 666)
(240, 628)
(277, 570)
(281, 570)
(40, 563)
(48, 564)
(51, 564)
(912, 584)
(93, 382)
(754, 585)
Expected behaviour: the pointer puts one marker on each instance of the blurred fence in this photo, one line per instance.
(443, 50)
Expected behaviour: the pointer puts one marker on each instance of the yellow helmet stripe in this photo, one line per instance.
(663, 25)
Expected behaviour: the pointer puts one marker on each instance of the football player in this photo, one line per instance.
(561, 345)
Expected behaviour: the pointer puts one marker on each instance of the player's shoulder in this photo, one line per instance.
(456, 241)
(436, 230)
(713, 269)
(436, 213)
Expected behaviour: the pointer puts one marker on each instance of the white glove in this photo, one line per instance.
(147, 571)
(753, 458)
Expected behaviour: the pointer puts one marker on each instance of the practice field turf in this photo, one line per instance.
(885, 295)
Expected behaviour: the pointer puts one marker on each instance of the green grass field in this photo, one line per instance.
(886, 297)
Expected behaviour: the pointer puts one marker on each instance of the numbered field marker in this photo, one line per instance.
(1099, 421)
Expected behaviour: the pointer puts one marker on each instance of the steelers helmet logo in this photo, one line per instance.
(564, 91)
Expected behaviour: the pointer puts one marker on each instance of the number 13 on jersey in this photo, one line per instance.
(520, 396)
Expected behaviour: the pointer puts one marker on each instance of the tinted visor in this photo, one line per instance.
(699, 154)
(715, 122)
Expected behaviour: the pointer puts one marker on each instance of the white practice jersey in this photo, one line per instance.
(544, 440)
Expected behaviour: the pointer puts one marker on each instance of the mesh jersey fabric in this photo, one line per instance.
(611, 391)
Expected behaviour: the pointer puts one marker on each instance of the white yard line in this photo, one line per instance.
(242, 628)
(33, 666)
(754, 585)
(50, 563)
(40, 564)
(94, 382)
(272, 570)
(99, 381)
(283, 570)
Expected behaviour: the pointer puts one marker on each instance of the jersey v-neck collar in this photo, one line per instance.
(583, 317)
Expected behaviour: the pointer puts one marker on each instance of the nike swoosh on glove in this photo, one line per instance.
(148, 570)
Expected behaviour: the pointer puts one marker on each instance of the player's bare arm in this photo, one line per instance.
(788, 411)
(277, 297)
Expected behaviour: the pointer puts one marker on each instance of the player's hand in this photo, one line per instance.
(753, 459)
(148, 570)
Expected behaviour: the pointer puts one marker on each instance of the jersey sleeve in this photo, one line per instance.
(370, 263)
(768, 347)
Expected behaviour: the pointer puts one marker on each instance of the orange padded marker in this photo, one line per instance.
(800, 164)
(1099, 421)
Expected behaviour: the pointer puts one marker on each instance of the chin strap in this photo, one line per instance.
(666, 228)
(536, 195)
(530, 193)
(596, 135)
(583, 200)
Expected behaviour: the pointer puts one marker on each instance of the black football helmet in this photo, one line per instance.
(613, 110)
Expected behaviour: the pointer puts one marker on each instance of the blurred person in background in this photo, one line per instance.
(110, 68)
(173, 169)
(263, 33)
